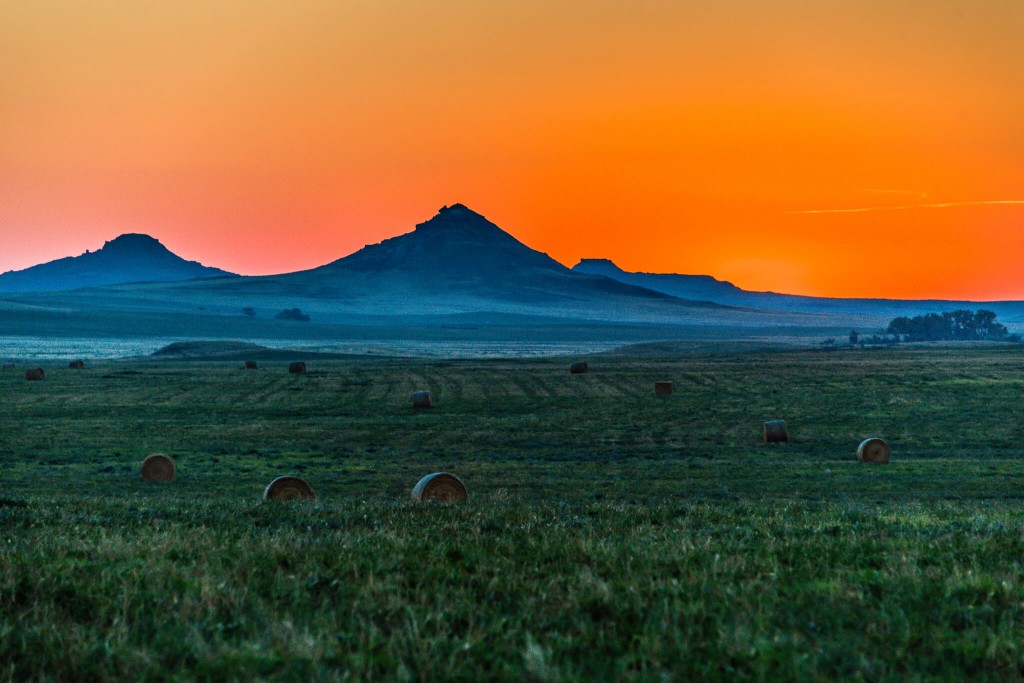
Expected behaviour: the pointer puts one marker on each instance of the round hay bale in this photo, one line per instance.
(775, 431)
(874, 450)
(289, 488)
(76, 364)
(421, 399)
(34, 374)
(439, 486)
(663, 388)
(250, 365)
(158, 467)
(579, 368)
(297, 367)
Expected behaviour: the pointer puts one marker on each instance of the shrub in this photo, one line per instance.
(292, 314)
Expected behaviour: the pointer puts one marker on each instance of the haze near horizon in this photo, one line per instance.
(834, 149)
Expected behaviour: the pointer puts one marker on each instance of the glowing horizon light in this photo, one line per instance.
(669, 137)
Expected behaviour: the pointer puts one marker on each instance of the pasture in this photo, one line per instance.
(610, 534)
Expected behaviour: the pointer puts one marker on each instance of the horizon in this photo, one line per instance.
(577, 261)
(842, 150)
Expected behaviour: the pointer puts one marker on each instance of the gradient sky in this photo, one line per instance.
(723, 137)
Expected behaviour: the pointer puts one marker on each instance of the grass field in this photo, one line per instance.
(609, 535)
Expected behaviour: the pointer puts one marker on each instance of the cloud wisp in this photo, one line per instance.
(874, 190)
(933, 205)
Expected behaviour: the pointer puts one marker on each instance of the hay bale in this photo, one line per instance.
(158, 467)
(579, 368)
(34, 374)
(250, 365)
(663, 388)
(76, 364)
(775, 431)
(297, 367)
(874, 450)
(421, 399)
(289, 488)
(439, 486)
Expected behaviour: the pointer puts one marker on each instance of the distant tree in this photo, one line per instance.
(854, 337)
(249, 311)
(292, 314)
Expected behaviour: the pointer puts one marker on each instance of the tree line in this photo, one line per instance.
(960, 325)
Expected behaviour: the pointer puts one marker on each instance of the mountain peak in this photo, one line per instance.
(131, 257)
(459, 217)
(456, 241)
(459, 261)
(592, 265)
(134, 242)
(699, 287)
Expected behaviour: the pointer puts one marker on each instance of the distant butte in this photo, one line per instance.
(131, 257)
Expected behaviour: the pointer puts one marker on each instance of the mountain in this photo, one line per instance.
(457, 262)
(457, 243)
(454, 275)
(459, 254)
(700, 287)
(707, 288)
(128, 258)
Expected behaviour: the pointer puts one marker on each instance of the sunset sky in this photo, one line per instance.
(838, 148)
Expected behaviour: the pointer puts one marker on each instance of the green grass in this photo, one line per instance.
(610, 534)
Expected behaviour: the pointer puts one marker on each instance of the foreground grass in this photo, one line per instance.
(609, 534)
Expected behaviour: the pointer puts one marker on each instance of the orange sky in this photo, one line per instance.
(685, 137)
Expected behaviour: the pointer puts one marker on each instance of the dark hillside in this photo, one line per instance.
(707, 288)
(458, 249)
(128, 258)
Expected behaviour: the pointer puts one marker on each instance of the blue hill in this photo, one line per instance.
(129, 258)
